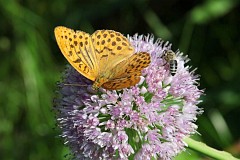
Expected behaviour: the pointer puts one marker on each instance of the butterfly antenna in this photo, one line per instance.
(78, 85)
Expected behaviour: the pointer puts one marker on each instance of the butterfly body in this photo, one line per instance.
(106, 57)
(101, 79)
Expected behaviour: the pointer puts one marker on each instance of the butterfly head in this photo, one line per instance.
(99, 82)
(95, 86)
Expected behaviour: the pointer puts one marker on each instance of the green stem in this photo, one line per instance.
(203, 148)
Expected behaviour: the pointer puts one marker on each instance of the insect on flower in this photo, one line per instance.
(170, 57)
(106, 57)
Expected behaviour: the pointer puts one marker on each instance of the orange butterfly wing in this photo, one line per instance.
(128, 72)
(78, 50)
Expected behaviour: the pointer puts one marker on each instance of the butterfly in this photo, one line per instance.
(106, 57)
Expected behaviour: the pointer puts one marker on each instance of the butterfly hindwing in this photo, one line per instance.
(124, 82)
(127, 73)
(137, 62)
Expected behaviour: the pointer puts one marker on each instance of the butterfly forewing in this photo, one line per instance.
(111, 48)
(78, 50)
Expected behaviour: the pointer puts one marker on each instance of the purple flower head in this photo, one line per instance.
(146, 121)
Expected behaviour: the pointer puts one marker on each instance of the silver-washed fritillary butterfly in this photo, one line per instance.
(105, 57)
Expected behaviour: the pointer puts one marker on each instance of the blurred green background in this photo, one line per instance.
(31, 64)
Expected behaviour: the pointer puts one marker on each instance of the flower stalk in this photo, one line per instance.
(209, 151)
